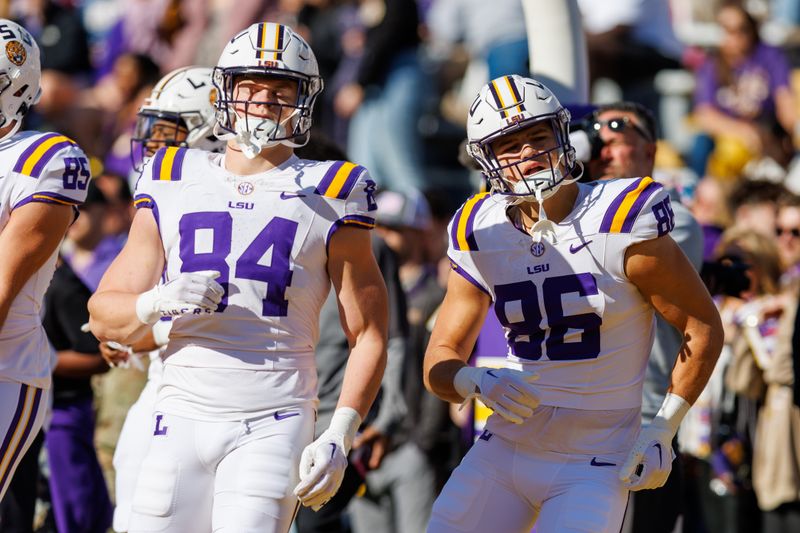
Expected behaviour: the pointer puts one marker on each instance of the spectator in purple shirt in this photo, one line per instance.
(743, 94)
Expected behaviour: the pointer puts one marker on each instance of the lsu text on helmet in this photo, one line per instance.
(505, 106)
(20, 74)
(180, 111)
(273, 51)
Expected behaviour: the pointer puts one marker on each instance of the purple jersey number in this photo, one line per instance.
(525, 337)
(278, 234)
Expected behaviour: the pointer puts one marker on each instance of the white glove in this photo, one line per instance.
(324, 461)
(507, 392)
(653, 448)
(187, 292)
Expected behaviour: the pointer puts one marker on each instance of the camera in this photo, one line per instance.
(726, 276)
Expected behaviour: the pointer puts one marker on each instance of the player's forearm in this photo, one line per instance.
(112, 317)
(441, 366)
(697, 358)
(365, 367)
(72, 364)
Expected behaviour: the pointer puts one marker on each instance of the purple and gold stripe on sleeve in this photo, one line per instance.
(40, 152)
(358, 221)
(464, 274)
(18, 431)
(48, 197)
(622, 212)
(339, 180)
(167, 163)
(144, 201)
(462, 231)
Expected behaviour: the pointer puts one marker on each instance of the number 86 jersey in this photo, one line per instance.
(267, 234)
(567, 308)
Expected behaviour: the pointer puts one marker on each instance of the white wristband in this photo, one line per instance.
(161, 331)
(673, 409)
(465, 381)
(146, 310)
(345, 422)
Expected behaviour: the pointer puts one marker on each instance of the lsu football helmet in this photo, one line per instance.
(180, 111)
(20, 74)
(509, 104)
(269, 50)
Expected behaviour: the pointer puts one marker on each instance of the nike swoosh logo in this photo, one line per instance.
(660, 462)
(595, 462)
(287, 195)
(284, 416)
(575, 249)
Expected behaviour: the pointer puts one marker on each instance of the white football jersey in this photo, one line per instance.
(568, 310)
(35, 167)
(268, 235)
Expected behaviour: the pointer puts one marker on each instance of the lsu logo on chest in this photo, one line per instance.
(241, 205)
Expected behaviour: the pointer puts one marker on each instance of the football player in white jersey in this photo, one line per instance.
(574, 273)
(248, 243)
(43, 176)
(179, 112)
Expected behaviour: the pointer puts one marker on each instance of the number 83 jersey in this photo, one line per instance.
(267, 234)
(567, 308)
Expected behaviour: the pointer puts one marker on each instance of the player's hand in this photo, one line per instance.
(650, 460)
(507, 392)
(114, 354)
(653, 451)
(377, 442)
(324, 461)
(186, 293)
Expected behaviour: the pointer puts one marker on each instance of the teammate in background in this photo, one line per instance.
(249, 243)
(44, 176)
(628, 134)
(179, 112)
(574, 273)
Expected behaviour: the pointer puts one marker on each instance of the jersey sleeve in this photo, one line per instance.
(462, 242)
(52, 169)
(640, 211)
(351, 190)
(164, 167)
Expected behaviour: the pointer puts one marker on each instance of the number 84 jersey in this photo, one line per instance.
(567, 308)
(267, 234)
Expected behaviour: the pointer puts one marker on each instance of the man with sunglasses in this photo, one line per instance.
(626, 132)
(574, 273)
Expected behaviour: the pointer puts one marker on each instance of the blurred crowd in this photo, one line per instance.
(721, 80)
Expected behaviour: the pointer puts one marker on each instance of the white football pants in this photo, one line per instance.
(507, 487)
(224, 477)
